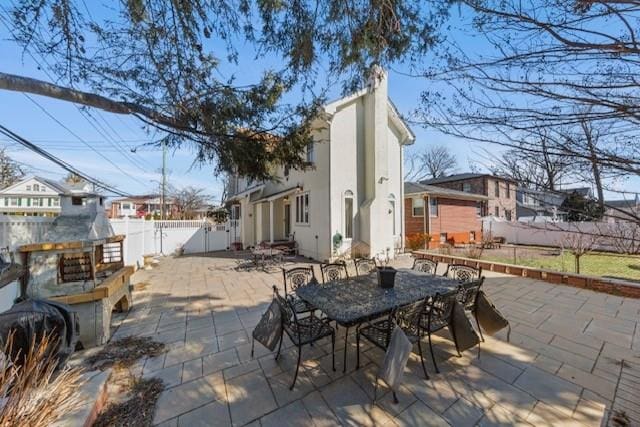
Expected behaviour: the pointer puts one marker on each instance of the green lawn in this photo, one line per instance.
(591, 264)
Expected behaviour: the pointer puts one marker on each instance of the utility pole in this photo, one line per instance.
(164, 181)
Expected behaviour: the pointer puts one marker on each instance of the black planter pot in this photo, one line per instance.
(386, 277)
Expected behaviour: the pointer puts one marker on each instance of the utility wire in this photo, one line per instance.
(64, 165)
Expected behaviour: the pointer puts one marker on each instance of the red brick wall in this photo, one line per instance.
(457, 218)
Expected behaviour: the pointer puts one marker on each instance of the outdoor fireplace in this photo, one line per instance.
(80, 263)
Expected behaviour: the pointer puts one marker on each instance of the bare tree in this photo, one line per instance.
(188, 201)
(624, 236)
(434, 162)
(74, 179)
(579, 244)
(10, 170)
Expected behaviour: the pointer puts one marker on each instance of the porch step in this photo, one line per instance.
(93, 397)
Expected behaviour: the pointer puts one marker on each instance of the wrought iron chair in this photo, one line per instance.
(437, 316)
(302, 331)
(425, 266)
(334, 271)
(468, 296)
(407, 317)
(463, 273)
(295, 278)
(364, 266)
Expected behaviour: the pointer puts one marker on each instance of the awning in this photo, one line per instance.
(279, 194)
(245, 193)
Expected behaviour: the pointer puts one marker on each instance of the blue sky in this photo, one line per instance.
(114, 138)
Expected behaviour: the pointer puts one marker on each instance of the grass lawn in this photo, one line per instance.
(595, 264)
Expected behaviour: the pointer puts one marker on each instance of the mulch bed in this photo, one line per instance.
(137, 410)
(125, 352)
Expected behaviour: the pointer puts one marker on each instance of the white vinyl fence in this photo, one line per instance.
(141, 237)
(549, 233)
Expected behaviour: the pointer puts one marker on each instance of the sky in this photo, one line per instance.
(112, 147)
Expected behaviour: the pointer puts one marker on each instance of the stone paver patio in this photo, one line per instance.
(573, 355)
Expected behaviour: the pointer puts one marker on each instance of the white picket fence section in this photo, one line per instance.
(141, 237)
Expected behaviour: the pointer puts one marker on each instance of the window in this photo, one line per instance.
(466, 187)
(392, 212)
(43, 189)
(311, 153)
(433, 206)
(497, 212)
(126, 206)
(472, 236)
(507, 214)
(478, 209)
(508, 190)
(348, 215)
(6, 201)
(302, 208)
(29, 202)
(56, 202)
(15, 201)
(443, 237)
(49, 201)
(417, 206)
(28, 188)
(36, 187)
(497, 193)
(76, 201)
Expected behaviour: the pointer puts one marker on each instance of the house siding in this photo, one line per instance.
(455, 217)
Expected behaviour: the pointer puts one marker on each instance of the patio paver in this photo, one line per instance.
(574, 354)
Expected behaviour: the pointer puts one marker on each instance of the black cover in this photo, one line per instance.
(463, 332)
(269, 329)
(489, 318)
(33, 318)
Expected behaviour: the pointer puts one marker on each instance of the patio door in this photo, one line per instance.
(287, 220)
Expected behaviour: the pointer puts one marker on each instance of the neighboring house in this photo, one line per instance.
(32, 196)
(539, 205)
(452, 216)
(621, 210)
(139, 206)
(501, 192)
(349, 199)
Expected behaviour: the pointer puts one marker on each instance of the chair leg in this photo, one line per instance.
(279, 345)
(433, 357)
(424, 368)
(478, 325)
(333, 351)
(344, 358)
(295, 377)
(358, 350)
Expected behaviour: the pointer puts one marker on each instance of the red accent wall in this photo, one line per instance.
(457, 218)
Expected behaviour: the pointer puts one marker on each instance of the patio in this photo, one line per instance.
(574, 354)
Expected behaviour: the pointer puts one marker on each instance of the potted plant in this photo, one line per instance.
(386, 273)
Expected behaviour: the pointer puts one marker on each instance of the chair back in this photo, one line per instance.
(334, 271)
(468, 293)
(288, 314)
(364, 266)
(295, 278)
(408, 317)
(441, 307)
(425, 266)
(463, 273)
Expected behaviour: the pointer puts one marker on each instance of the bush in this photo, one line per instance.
(417, 241)
(473, 251)
(446, 249)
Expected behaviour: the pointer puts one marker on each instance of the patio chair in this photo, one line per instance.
(302, 331)
(334, 271)
(463, 273)
(295, 278)
(425, 266)
(437, 316)
(468, 293)
(364, 266)
(407, 318)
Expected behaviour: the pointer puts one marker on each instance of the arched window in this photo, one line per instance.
(348, 214)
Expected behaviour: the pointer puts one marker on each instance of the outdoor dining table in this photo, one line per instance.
(355, 300)
(261, 256)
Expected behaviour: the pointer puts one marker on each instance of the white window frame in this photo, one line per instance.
(414, 207)
(466, 187)
(303, 216)
(311, 152)
(433, 202)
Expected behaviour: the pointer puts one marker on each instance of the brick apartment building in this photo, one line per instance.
(452, 216)
(501, 192)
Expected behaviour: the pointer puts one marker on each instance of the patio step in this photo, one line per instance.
(93, 397)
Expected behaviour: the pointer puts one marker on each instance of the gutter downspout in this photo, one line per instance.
(424, 219)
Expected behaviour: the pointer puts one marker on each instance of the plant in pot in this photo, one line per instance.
(386, 273)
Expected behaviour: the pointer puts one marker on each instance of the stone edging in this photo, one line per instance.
(594, 283)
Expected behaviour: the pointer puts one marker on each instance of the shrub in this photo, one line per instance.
(473, 251)
(417, 241)
(446, 249)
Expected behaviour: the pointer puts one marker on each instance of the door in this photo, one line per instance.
(287, 220)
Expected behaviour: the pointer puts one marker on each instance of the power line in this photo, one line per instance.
(64, 165)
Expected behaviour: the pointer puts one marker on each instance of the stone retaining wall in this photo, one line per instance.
(598, 284)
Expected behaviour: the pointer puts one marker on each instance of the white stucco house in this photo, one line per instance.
(353, 187)
(31, 196)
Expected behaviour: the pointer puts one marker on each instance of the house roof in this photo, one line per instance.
(415, 188)
(461, 177)
(623, 204)
(276, 195)
(61, 188)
